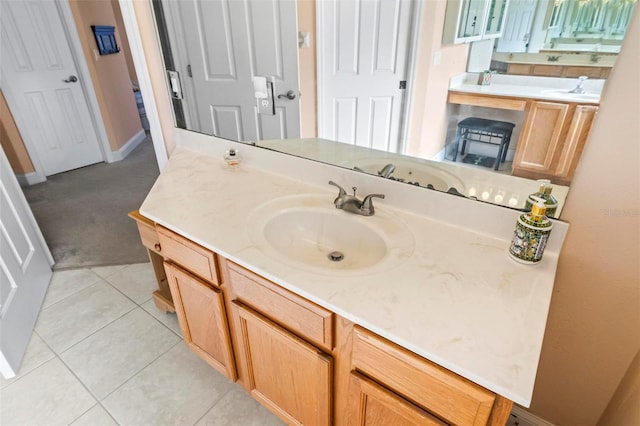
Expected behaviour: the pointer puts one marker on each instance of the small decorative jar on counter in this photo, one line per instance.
(531, 234)
(484, 79)
(233, 158)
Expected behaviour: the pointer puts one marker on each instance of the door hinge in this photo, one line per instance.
(189, 73)
(403, 84)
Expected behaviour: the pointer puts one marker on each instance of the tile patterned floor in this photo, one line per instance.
(102, 354)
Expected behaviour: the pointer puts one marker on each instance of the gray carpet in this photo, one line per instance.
(83, 213)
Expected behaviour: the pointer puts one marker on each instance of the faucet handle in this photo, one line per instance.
(342, 191)
(367, 204)
(583, 78)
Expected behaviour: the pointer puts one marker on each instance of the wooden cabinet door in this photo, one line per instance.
(373, 405)
(579, 130)
(201, 313)
(286, 374)
(540, 137)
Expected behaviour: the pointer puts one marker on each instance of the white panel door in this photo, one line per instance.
(517, 27)
(36, 61)
(25, 271)
(365, 48)
(233, 41)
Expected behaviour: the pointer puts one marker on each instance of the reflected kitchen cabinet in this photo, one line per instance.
(472, 20)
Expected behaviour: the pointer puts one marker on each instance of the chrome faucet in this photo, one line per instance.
(387, 170)
(579, 89)
(352, 204)
(594, 58)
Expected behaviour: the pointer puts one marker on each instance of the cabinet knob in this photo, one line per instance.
(157, 247)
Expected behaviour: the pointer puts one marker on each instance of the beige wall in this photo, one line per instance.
(593, 329)
(11, 141)
(624, 407)
(109, 73)
(307, 70)
(123, 41)
(428, 121)
(155, 64)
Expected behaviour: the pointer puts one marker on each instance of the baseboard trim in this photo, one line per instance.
(525, 418)
(126, 149)
(29, 179)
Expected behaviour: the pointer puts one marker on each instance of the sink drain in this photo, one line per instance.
(335, 256)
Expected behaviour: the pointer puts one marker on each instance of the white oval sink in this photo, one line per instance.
(423, 174)
(568, 95)
(308, 232)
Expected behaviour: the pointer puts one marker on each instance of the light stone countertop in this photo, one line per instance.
(459, 300)
(529, 87)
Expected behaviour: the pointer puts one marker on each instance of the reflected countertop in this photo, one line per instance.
(471, 181)
(529, 87)
(582, 60)
(458, 300)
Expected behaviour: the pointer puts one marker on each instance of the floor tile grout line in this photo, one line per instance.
(18, 376)
(160, 321)
(95, 397)
(113, 287)
(42, 308)
(109, 413)
(100, 278)
(123, 293)
(99, 400)
(94, 332)
(214, 404)
(132, 377)
(68, 368)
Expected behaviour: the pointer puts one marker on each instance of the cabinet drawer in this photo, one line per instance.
(439, 391)
(289, 310)
(147, 231)
(189, 255)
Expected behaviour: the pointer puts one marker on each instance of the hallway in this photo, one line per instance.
(83, 213)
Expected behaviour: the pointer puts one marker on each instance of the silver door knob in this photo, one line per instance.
(291, 95)
(71, 79)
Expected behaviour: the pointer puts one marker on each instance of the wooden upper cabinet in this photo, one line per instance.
(373, 405)
(286, 374)
(203, 320)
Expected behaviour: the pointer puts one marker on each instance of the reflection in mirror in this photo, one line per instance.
(562, 38)
(296, 76)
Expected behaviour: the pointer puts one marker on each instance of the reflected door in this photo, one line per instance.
(363, 53)
(220, 45)
(40, 82)
(517, 27)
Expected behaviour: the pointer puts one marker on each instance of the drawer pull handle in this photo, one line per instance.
(157, 247)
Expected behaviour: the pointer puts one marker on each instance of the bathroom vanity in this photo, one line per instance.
(426, 320)
(556, 126)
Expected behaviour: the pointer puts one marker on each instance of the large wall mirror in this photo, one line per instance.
(360, 84)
